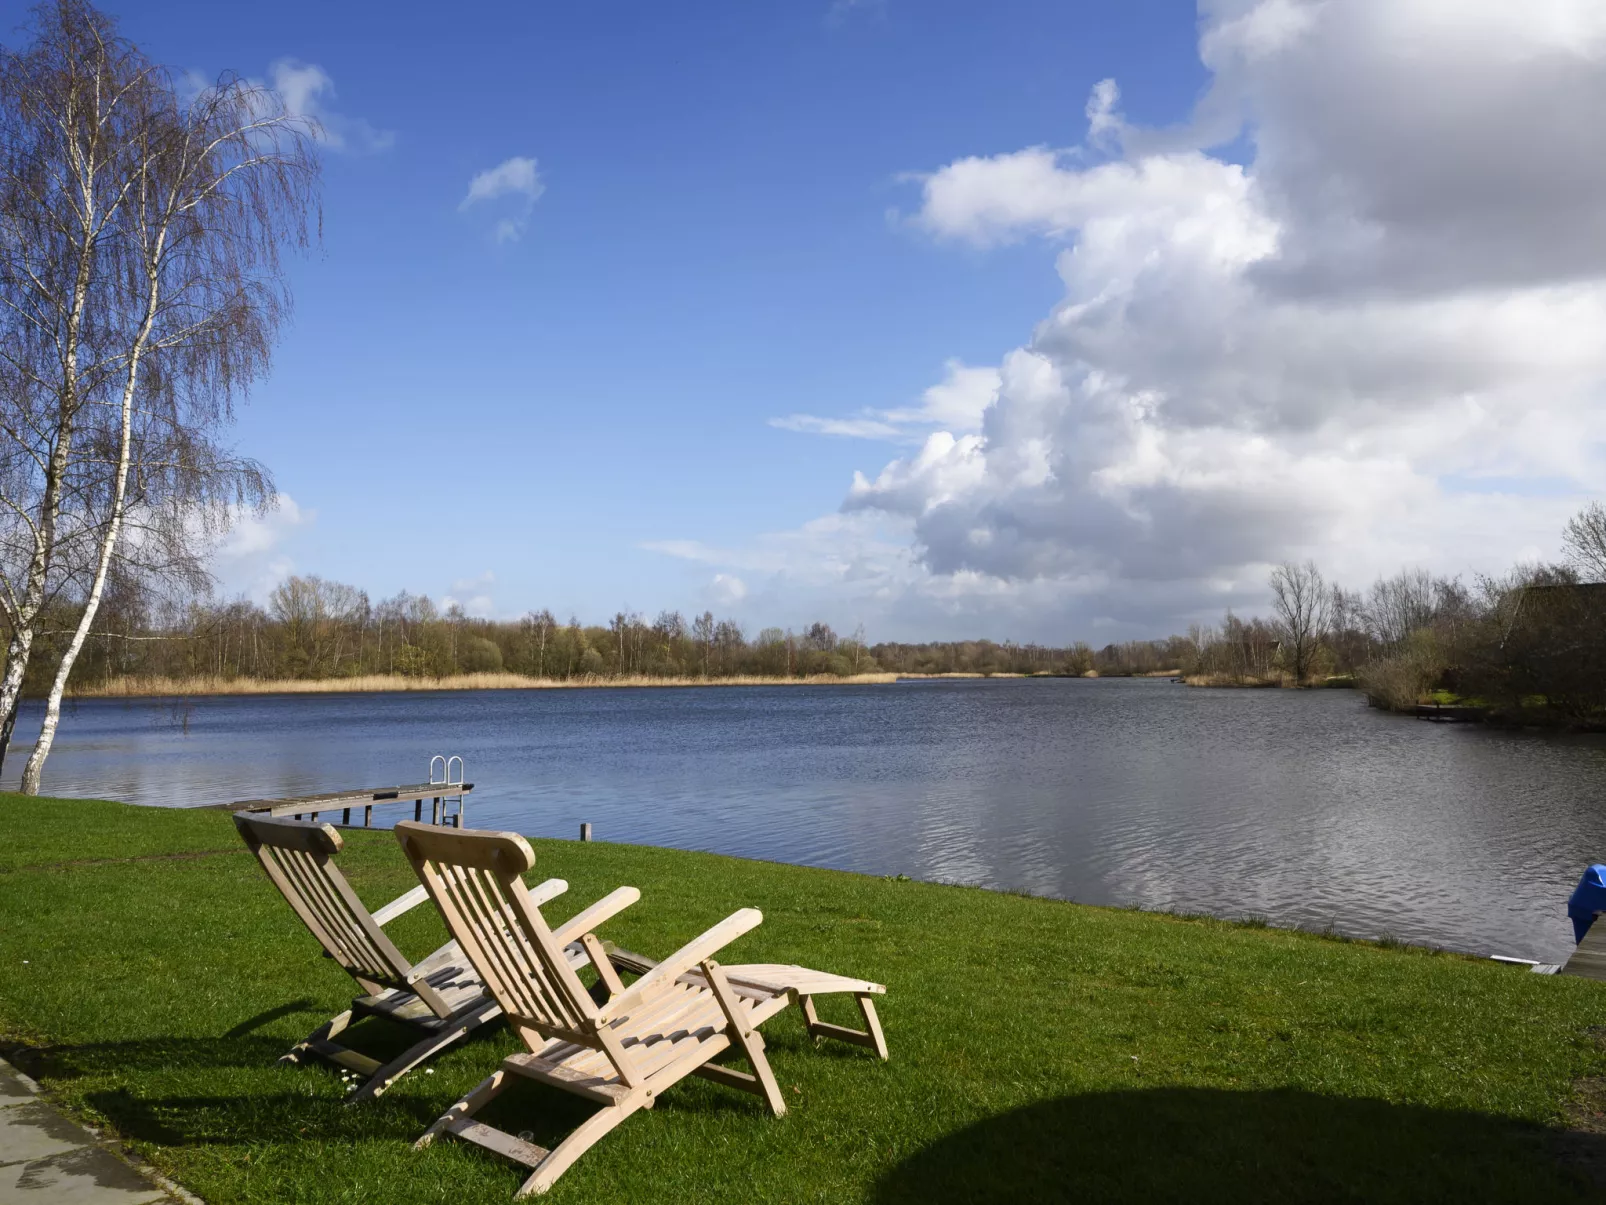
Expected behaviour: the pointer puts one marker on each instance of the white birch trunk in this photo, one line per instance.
(20, 648)
(33, 771)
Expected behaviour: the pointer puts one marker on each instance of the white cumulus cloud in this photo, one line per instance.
(1377, 342)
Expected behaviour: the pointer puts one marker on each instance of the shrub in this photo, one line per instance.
(479, 656)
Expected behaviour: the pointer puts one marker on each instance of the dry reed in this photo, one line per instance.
(142, 687)
(965, 674)
(1247, 680)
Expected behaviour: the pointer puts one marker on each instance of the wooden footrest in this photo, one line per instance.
(350, 1059)
(730, 1077)
(502, 1143)
(534, 1067)
(824, 1029)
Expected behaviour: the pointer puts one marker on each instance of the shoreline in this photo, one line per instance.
(1223, 1029)
(204, 685)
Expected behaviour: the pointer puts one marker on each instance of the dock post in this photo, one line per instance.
(585, 832)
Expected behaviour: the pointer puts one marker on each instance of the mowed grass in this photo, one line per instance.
(1041, 1051)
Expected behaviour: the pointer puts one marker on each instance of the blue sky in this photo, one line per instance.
(712, 249)
(589, 398)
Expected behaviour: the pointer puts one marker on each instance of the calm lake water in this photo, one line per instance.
(1305, 808)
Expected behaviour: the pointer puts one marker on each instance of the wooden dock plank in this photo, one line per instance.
(342, 800)
(1589, 959)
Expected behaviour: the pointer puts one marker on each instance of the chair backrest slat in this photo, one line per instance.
(474, 878)
(321, 884)
(297, 856)
(510, 972)
(304, 875)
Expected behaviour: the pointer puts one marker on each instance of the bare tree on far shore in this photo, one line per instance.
(1584, 539)
(140, 294)
(1303, 604)
(1400, 605)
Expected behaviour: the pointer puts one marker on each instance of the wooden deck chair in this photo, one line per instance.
(672, 1022)
(441, 997)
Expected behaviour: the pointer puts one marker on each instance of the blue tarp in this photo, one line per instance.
(1588, 898)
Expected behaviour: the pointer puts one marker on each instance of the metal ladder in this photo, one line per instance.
(441, 806)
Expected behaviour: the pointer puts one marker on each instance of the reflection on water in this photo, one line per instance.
(1302, 807)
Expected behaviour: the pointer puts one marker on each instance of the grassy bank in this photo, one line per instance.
(1040, 1050)
(122, 688)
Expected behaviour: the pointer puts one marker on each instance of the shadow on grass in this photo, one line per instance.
(233, 1090)
(268, 1016)
(1201, 1145)
(246, 1095)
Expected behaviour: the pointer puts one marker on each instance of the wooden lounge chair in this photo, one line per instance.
(672, 1022)
(441, 997)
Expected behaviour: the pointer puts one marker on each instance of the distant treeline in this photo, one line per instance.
(316, 629)
(1531, 642)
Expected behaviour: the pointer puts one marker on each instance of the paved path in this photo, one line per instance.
(47, 1160)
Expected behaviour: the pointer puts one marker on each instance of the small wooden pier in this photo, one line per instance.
(442, 792)
(366, 798)
(1449, 713)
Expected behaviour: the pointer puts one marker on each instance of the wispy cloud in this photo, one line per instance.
(473, 594)
(842, 10)
(308, 91)
(252, 558)
(956, 404)
(852, 428)
(517, 178)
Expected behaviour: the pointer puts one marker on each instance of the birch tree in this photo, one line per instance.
(140, 275)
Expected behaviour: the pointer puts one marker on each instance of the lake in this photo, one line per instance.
(1305, 808)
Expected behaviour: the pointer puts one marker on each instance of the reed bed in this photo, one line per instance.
(969, 674)
(1235, 680)
(142, 687)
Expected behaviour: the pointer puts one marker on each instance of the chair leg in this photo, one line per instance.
(485, 1091)
(434, 1043)
(870, 1035)
(872, 1024)
(581, 1139)
(744, 1037)
(322, 1034)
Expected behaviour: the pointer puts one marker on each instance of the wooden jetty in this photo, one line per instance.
(1449, 713)
(440, 795)
(1589, 959)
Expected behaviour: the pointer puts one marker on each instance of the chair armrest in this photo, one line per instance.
(402, 903)
(548, 890)
(682, 960)
(610, 905)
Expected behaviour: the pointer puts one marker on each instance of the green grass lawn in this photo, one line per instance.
(1040, 1050)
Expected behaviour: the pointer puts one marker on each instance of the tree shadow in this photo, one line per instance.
(1203, 1145)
